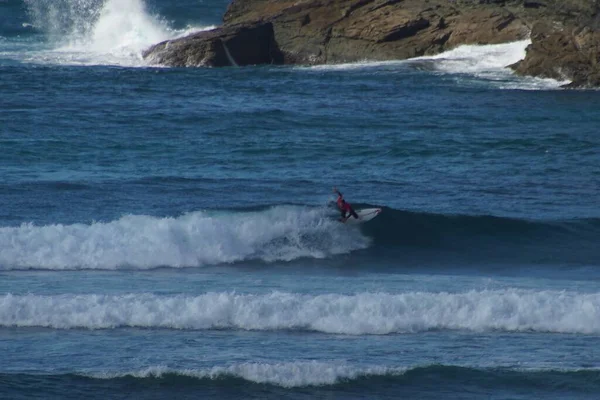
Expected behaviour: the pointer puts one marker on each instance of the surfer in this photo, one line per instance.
(345, 208)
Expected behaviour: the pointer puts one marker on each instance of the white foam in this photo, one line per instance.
(94, 32)
(195, 239)
(285, 374)
(463, 59)
(301, 373)
(363, 313)
(480, 58)
(488, 63)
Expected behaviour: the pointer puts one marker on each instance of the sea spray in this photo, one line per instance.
(99, 32)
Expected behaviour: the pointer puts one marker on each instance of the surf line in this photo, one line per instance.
(228, 54)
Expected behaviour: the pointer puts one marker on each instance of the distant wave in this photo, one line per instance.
(257, 380)
(313, 373)
(285, 374)
(287, 233)
(508, 310)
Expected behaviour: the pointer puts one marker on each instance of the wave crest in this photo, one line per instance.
(352, 380)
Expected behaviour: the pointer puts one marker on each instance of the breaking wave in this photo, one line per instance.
(191, 240)
(288, 233)
(511, 310)
(276, 380)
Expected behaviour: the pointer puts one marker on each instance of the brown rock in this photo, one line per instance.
(563, 53)
(563, 33)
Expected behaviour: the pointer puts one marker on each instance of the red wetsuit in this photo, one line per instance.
(342, 205)
(345, 207)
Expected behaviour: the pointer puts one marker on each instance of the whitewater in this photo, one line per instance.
(94, 32)
(172, 231)
(193, 240)
(359, 314)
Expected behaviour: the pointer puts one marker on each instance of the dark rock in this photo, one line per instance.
(234, 45)
(563, 33)
(533, 4)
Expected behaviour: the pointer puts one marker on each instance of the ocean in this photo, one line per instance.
(169, 233)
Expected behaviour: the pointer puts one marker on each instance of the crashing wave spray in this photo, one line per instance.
(59, 18)
(98, 32)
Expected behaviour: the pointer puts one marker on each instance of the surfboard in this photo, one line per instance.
(365, 214)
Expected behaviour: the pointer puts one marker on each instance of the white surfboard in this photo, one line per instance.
(366, 214)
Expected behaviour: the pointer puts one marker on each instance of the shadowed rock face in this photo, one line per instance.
(248, 44)
(564, 33)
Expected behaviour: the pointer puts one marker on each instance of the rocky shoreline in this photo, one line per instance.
(565, 35)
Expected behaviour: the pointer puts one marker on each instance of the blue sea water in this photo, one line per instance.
(168, 232)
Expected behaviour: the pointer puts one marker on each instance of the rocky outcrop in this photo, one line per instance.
(321, 31)
(564, 37)
(239, 45)
(317, 32)
(564, 53)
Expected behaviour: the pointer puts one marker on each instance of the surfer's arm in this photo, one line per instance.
(336, 191)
